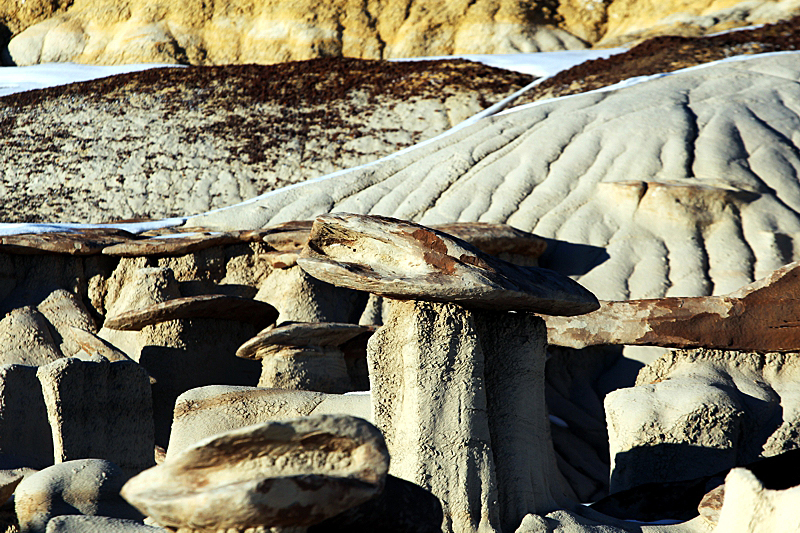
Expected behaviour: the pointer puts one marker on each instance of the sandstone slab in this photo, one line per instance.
(759, 317)
(404, 260)
(285, 473)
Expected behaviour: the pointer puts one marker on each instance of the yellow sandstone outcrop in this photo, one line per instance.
(203, 32)
(270, 31)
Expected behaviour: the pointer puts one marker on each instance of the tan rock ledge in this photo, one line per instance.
(760, 317)
(203, 306)
(303, 356)
(407, 261)
(285, 473)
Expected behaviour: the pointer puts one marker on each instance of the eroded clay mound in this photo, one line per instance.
(168, 142)
(683, 185)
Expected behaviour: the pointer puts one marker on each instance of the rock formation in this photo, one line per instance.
(713, 409)
(303, 356)
(458, 394)
(270, 31)
(294, 472)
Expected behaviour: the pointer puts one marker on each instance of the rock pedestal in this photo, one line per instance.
(24, 430)
(459, 396)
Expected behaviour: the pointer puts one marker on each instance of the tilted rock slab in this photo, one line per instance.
(703, 204)
(762, 316)
(99, 409)
(285, 473)
(404, 260)
(694, 413)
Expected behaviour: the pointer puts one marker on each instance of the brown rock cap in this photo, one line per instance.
(280, 473)
(407, 261)
(204, 306)
(760, 317)
(300, 334)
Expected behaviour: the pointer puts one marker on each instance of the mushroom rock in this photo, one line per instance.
(404, 260)
(458, 393)
(752, 508)
(24, 427)
(305, 356)
(84, 486)
(99, 409)
(761, 316)
(291, 473)
(206, 411)
(25, 338)
(455, 393)
(711, 409)
(500, 240)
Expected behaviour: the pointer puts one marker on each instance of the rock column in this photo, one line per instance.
(455, 394)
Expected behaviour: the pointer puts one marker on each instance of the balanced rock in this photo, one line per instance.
(86, 486)
(303, 356)
(405, 260)
(263, 475)
(558, 170)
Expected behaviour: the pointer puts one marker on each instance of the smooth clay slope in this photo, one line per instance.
(682, 185)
